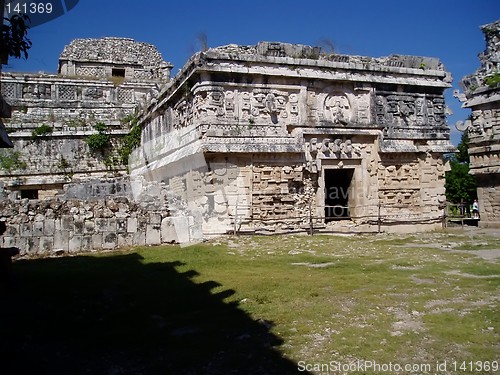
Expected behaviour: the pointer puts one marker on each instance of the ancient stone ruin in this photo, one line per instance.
(99, 81)
(249, 139)
(482, 96)
(279, 137)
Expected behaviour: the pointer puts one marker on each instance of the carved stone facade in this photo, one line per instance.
(108, 57)
(280, 137)
(70, 104)
(482, 96)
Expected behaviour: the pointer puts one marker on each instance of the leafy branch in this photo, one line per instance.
(14, 40)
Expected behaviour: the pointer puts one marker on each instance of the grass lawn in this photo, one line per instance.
(260, 305)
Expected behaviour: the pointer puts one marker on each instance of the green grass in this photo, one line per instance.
(254, 305)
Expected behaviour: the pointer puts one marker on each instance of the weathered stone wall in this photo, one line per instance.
(97, 215)
(287, 117)
(98, 57)
(482, 96)
(42, 227)
(103, 81)
(71, 107)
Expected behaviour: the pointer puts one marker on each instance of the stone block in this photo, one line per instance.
(167, 231)
(121, 225)
(61, 240)
(79, 226)
(97, 241)
(67, 222)
(23, 245)
(181, 224)
(153, 234)
(86, 242)
(49, 227)
(75, 244)
(12, 230)
(9, 241)
(132, 225)
(139, 238)
(89, 227)
(38, 229)
(125, 240)
(109, 240)
(155, 218)
(111, 227)
(101, 225)
(26, 230)
(33, 245)
(46, 244)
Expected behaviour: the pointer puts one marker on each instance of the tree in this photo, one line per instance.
(460, 185)
(14, 39)
(463, 149)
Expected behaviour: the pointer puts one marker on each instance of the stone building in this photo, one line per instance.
(99, 81)
(482, 96)
(280, 137)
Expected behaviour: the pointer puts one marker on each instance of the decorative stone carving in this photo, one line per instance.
(403, 110)
(275, 191)
(37, 91)
(328, 149)
(380, 110)
(90, 71)
(125, 95)
(398, 175)
(92, 57)
(338, 109)
(9, 90)
(67, 92)
(93, 93)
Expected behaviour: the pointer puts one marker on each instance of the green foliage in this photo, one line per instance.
(492, 80)
(99, 141)
(111, 160)
(65, 167)
(101, 127)
(463, 155)
(14, 40)
(42, 131)
(63, 163)
(460, 185)
(131, 141)
(11, 160)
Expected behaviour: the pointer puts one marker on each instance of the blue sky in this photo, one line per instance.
(448, 30)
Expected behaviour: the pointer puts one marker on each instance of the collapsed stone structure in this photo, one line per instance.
(482, 96)
(99, 81)
(281, 137)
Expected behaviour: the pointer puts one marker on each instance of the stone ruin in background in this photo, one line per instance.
(258, 139)
(482, 96)
(99, 81)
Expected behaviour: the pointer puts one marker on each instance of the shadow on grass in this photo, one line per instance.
(116, 315)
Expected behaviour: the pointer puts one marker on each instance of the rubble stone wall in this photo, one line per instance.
(43, 227)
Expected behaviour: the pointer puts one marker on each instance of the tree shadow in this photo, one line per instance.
(116, 315)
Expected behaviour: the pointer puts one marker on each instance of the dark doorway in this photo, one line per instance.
(337, 184)
(118, 72)
(29, 193)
